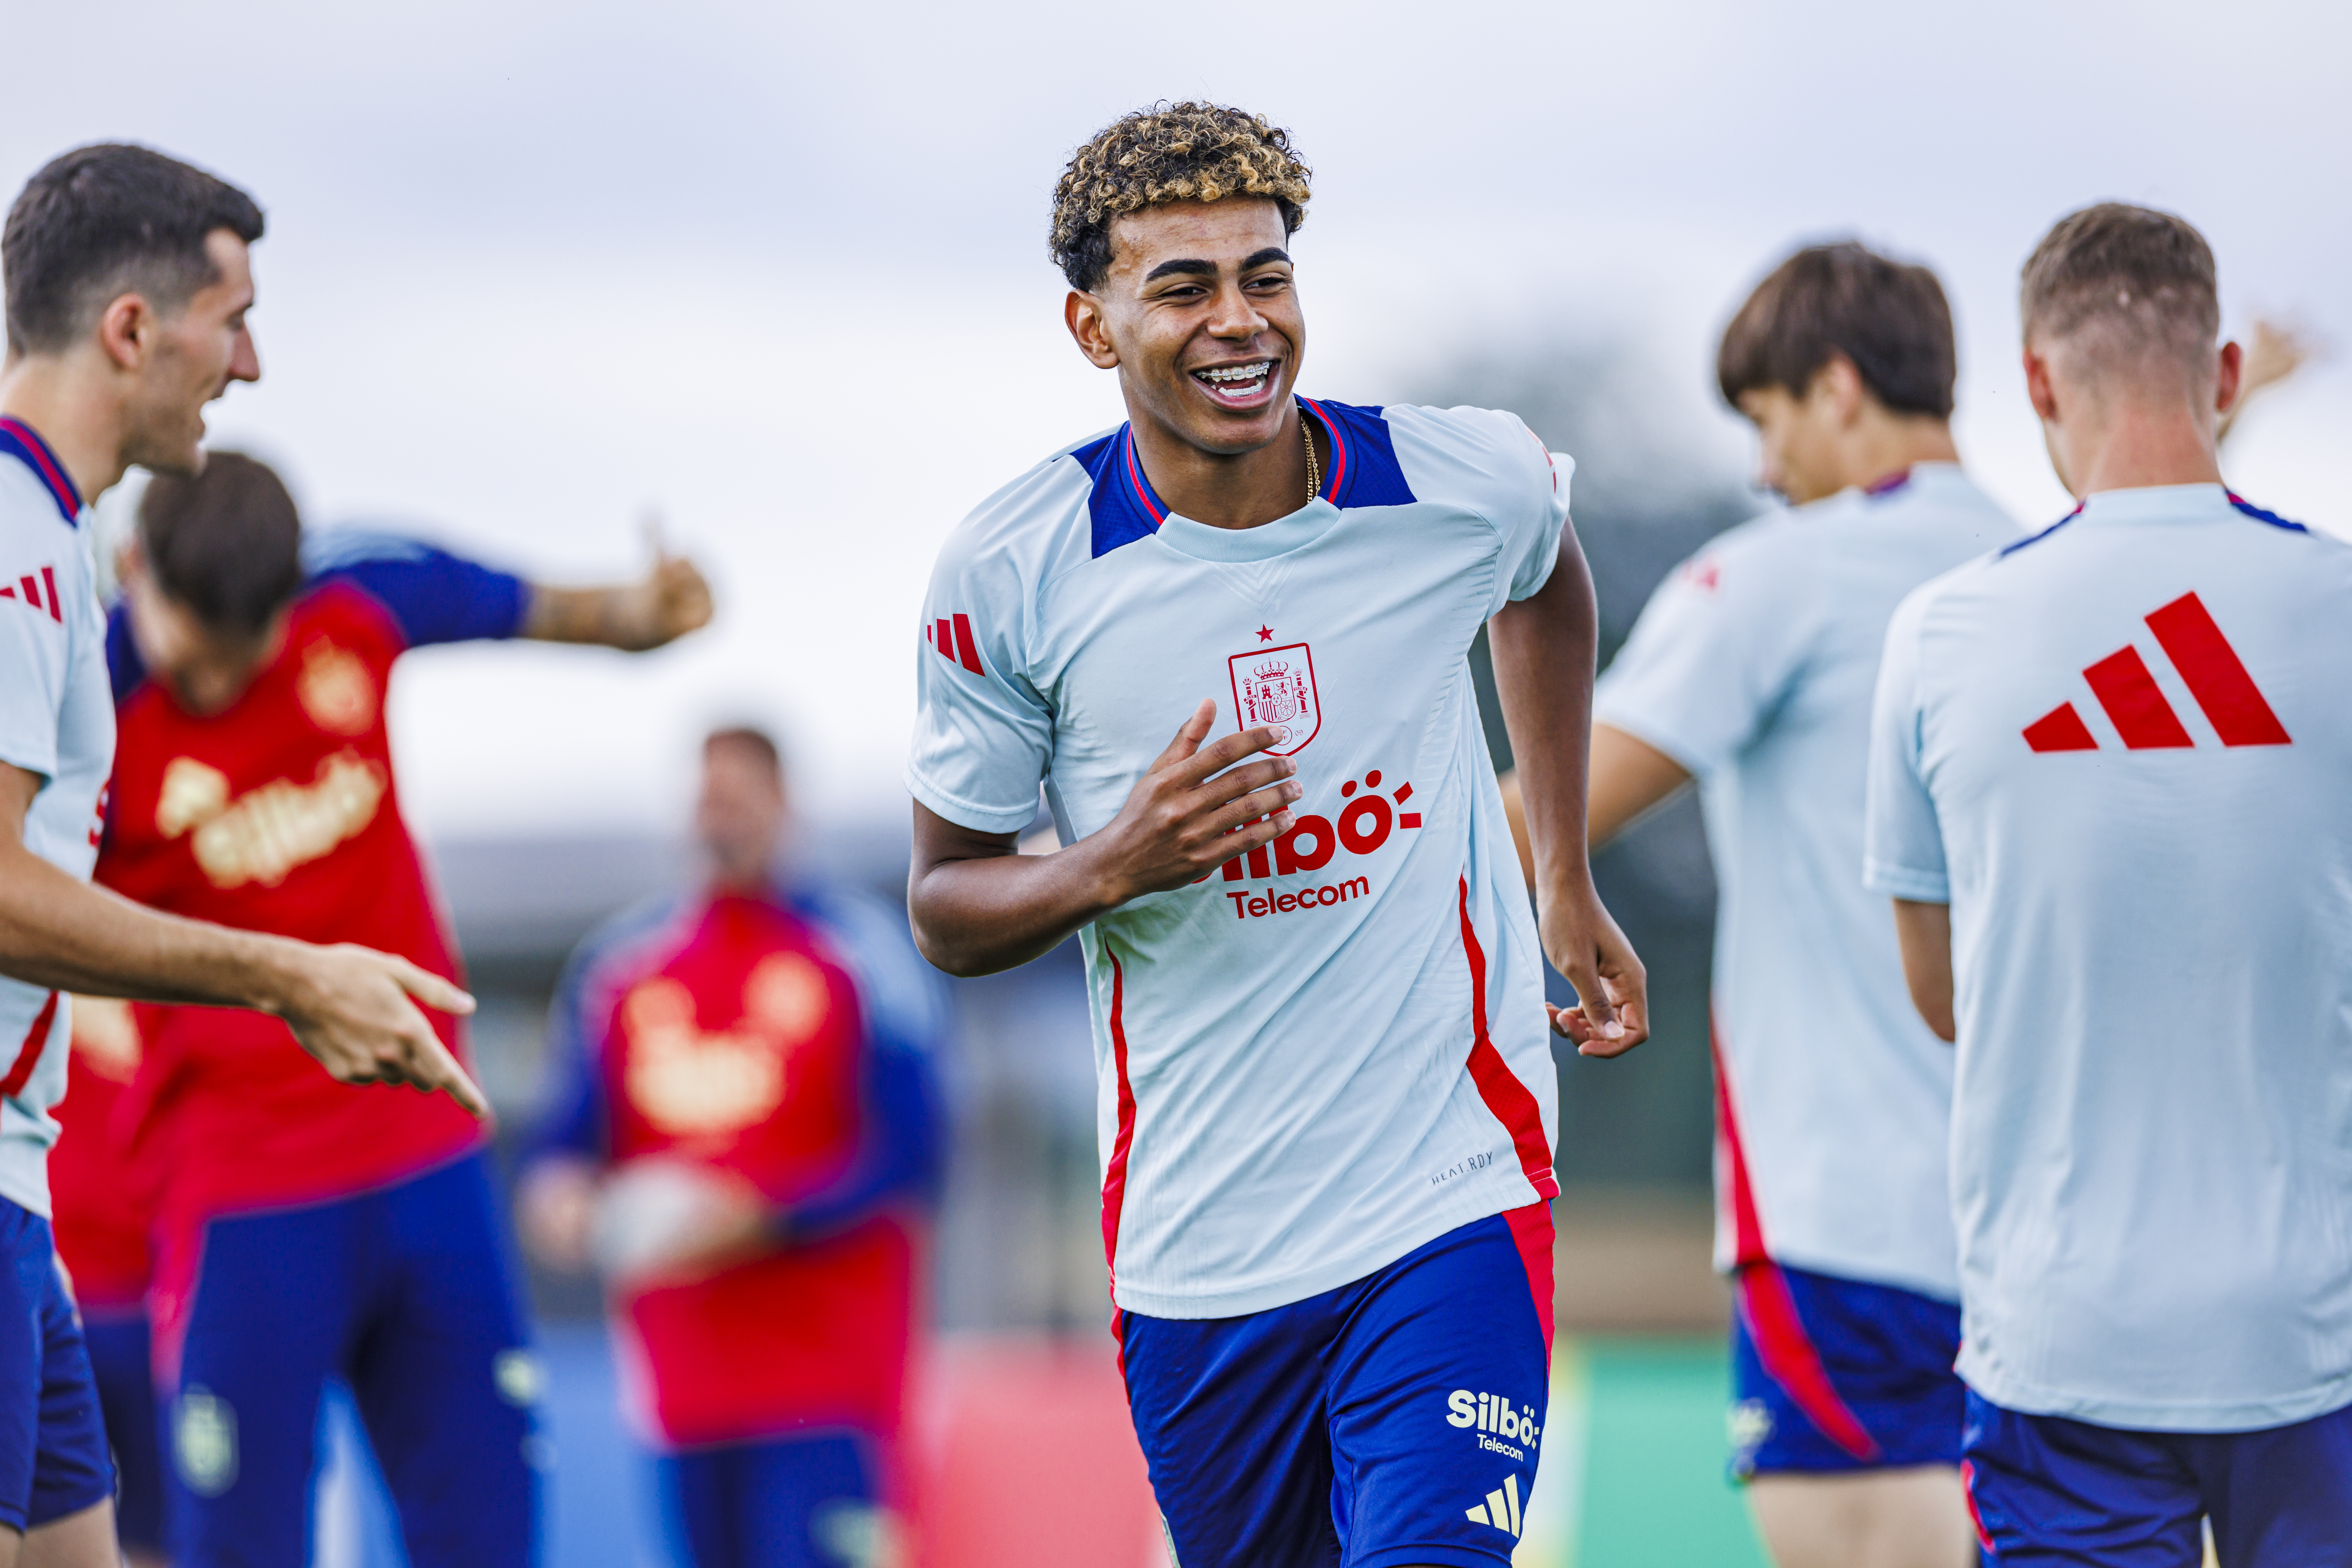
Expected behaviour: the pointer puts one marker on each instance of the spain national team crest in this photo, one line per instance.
(1275, 687)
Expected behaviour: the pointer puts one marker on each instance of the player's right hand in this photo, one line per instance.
(352, 1010)
(1193, 809)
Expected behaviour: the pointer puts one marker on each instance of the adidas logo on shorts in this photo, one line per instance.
(1501, 1509)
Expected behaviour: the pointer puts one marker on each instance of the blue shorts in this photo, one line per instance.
(406, 1294)
(1393, 1421)
(53, 1457)
(121, 1358)
(2047, 1489)
(1831, 1374)
(792, 1502)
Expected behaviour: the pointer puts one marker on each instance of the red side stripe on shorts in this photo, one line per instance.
(1505, 1095)
(1787, 1354)
(1531, 1227)
(28, 1055)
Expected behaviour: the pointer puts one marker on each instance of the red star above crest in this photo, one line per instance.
(1265, 634)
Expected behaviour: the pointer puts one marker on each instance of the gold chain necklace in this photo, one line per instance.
(1314, 468)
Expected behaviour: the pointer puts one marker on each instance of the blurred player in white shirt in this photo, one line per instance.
(2107, 792)
(1751, 671)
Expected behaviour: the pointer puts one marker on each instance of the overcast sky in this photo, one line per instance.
(779, 271)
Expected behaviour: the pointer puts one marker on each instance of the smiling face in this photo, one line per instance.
(194, 353)
(1198, 313)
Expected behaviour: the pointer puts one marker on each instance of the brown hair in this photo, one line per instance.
(748, 737)
(226, 542)
(1169, 152)
(2143, 280)
(104, 221)
(1889, 318)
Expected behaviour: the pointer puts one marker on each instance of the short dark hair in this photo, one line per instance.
(102, 221)
(1889, 318)
(2144, 279)
(749, 738)
(1169, 152)
(226, 542)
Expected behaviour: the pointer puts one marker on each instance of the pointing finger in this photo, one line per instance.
(430, 989)
(434, 1068)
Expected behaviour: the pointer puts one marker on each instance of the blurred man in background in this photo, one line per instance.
(1751, 671)
(128, 275)
(746, 1142)
(2106, 793)
(302, 1233)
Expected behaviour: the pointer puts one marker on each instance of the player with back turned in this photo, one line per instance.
(1752, 670)
(2107, 793)
(1327, 1097)
(128, 277)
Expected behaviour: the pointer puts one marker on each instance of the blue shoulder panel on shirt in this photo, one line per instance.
(1121, 507)
(2259, 515)
(433, 597)
(2008, 550)
(1364, 469)
(22, 442)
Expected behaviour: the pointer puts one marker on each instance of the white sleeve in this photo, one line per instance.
(984, 734)
(35, 644)
(1902, 844)
(1529, 509)
(1712, 655)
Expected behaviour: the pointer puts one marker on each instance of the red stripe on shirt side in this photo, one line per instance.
(2131, 696)
(2214, 674)
(1114, 1192)
(28, 1055)
(1789, 1355)
(1505, 1095)
(50, 583)
(1735, 1198)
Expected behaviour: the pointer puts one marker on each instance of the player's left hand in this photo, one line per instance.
(673, 600)
(1613, 989)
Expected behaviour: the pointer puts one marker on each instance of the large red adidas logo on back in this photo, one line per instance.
(2208, 666)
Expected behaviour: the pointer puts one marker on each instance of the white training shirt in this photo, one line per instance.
(1752, 666)
(1335, 1049)
(2122, 752)
(57, 719)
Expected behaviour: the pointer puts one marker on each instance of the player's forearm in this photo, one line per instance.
(601, 617)
(981, 914)
(1923, 933)
(1544, 648)
(62, 933)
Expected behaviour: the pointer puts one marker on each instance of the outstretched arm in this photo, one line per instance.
(670, 601)
(979, 906)
(349, 1006)
(1544, 648)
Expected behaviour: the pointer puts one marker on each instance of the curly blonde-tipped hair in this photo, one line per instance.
(1169, 152)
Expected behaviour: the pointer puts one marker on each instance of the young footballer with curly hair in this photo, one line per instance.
(1327, 1097)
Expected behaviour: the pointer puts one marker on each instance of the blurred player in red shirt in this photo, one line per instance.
(745, 1141)
(301, 1233)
